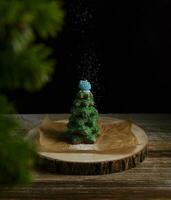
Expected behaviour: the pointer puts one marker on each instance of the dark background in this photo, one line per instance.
(122, 47)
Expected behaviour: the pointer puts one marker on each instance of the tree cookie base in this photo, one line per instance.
(121, 145)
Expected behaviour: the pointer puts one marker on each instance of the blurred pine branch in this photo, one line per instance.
(23, 64)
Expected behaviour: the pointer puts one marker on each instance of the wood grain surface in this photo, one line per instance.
(150, 180)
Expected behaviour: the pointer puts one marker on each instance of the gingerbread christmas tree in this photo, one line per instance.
(83, 124)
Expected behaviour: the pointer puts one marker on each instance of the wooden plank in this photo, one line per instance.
(83, 192)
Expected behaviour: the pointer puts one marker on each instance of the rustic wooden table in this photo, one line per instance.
(150, 180)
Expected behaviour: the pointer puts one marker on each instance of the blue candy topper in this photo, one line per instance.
(85, 86)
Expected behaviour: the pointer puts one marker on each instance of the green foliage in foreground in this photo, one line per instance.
(25, 64)
(16, 154)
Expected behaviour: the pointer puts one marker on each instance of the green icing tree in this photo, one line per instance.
(83, 124)
(25, 64)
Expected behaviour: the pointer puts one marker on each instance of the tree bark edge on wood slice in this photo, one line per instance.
(96, 168)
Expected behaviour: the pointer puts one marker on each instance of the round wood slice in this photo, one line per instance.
(120, 146)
